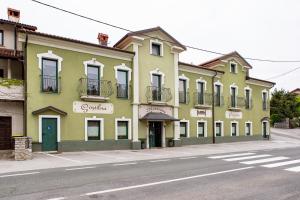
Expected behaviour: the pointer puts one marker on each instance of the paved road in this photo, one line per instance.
(264, 174)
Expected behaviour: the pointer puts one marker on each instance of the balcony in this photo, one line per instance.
(158, 95)
(248, 104)
(11, 90)
(236, 103)
(202, 100)
(123, 91)
(184, 97)
(95, 90)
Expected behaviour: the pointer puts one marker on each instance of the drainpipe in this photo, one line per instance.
(213, 106)
(25, 85)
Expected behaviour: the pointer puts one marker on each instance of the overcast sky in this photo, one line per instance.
(266, 29)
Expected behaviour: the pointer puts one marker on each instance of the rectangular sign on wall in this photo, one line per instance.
(95, 108)
(200, 113)
(233, 115)
(145, 109)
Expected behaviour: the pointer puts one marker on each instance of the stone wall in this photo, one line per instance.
(23, 148)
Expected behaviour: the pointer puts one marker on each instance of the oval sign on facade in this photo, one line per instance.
(95, 108)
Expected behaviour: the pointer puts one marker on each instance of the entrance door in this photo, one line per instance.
(5, 133)
(155, 133)
(265, 133)
(49, 134)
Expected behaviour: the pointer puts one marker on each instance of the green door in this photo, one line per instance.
(49, 134)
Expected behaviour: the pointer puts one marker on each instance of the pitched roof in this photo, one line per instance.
(297, 90)
(200, 67)
(75, 41)
(256, 79)
(145, 31)
(210, 63)
(19, 25)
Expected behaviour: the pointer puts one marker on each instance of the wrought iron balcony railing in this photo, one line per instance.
(184, 97)
(219, 100)
(248, 104)
(123, 91)
(202, 99)
(95, 88)
(159, 94)
(236, 102)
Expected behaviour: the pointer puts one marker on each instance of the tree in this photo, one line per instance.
(284, 105)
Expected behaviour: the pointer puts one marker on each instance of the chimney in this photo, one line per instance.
(103, 39)
(13, 15)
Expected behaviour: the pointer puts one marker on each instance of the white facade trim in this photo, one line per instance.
(233, 85)
(50, 55)
(157, 72)
(128, 120)
(57, 117)
(183, 77)
(187, 127)
(218, 82)
(237, 127)
(201, 80)
(156, 41)
(205, 127)
(123, 67)
(94, 118)
(222, 128)
(251, 127)
(95, 63)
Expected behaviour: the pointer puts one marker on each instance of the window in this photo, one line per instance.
(122, 129)
(1, 38)
(233, 67)
(201, 129)
(217, 95)
(122, 85)
(233, 97)
(218, 129)
(93, 129)
(156, 49)
(234, 129)
(182, 91)
(248, 129)
(183, 129)
(247, 99)
(200, 93)
(156, 87)
(264, 96)
(49, 75)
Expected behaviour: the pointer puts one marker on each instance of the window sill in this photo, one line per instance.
(235, 109)
(93, 98)
(156, 55)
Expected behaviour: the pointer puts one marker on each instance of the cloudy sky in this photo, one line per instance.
(265, 29)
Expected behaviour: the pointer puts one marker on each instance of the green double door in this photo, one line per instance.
(49, 134)
(155, 134)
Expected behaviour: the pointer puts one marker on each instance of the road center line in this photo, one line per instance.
(154, 161)
(121, 164)
(23, 174)
(78, 168)
(165, 182)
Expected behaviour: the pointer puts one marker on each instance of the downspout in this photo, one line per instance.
(213, 107)
(25, 84)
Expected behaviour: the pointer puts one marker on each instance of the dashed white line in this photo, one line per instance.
(165, 182)
(186, 158)
(79, 168)
(264, 160)
(248, 157)
(23, 174)
(164, 160)
(293, 169)
(121, 164)
(230, 155)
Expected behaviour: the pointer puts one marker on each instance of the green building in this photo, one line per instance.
(136, 94)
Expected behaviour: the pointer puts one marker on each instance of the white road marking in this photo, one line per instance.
(107, 156)
(23, 174)
(231, 155)
(293, 169)
(185, 158)
(264, 160)
(78, 168)
(165, 182)
(154, 161)
(68, 159)
(248, 157)
(121, 164)
(281, 164)
(58, 198)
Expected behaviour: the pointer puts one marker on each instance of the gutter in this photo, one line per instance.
(213, 106)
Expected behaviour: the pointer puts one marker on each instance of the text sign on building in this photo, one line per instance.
(233, 115)
(145, 109)
(200, 113)
(95, 108)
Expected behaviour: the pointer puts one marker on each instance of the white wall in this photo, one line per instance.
(9, 34)
(14, 110)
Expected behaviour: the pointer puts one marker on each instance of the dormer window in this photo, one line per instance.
(1, 38)
(233, 67)
(156, 48)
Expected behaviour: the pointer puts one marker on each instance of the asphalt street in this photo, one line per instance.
(268, 174)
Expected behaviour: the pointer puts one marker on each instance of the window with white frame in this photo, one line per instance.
(234, 129)
(156, 48)
(183, 129)
(49, 75)
(93, 129)
(264, 99)
(122, 129)
(248, 100)
(248, 128)
(182, 91)
(201, 129)
(218, 94)
(233, 96)
(218, 129)
(233, 67)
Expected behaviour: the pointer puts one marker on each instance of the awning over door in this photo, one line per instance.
(152, 116)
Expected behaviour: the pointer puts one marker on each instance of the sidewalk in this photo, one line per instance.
(71, 159)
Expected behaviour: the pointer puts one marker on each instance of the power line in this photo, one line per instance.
(283, 74)
(188, 46)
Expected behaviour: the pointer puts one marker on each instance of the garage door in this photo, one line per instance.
(5, 133)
